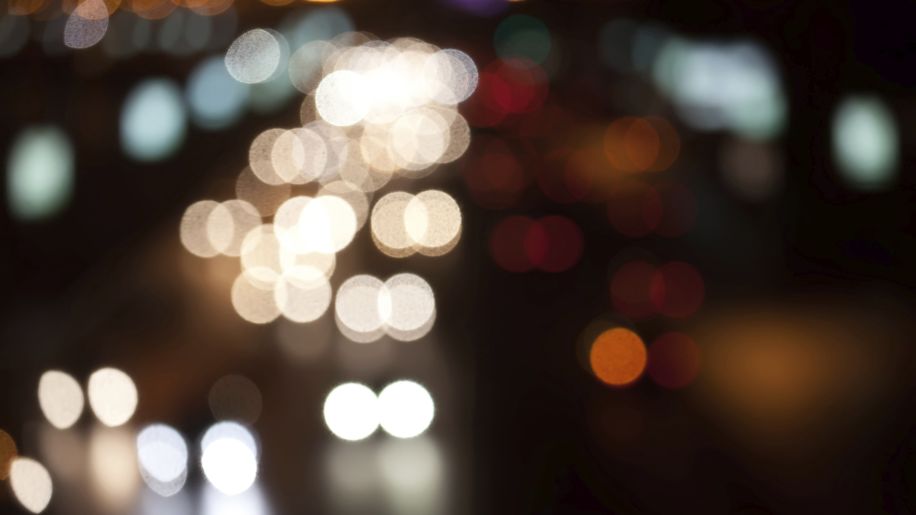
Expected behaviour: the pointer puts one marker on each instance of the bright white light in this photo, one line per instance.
(163, 457)
(230, 457)
(60, 398)
(343, 98)
(31, 484)
(327, 224)
(153, 120)
(865, 142)
(406, 409)
(351, 411)
(254, 56)
(39, 177)
(112, 396)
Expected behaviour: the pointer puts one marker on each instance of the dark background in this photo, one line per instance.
(524, 427)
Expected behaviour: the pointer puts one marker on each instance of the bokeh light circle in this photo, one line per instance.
(351, 411)
(112, 396)
(406, 409)
(618, 357)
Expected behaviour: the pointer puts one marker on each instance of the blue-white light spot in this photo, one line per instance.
(39, 173)
(153, 120)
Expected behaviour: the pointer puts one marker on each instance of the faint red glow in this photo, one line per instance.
(563, 244)
(674, 360)
(677, 290)
(509, 242)
(507, 87)
(635, 209)
(551, 244)
(631, 289)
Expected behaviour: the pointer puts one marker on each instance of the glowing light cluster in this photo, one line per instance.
(403, 307)
(374, 110)
(404, 409)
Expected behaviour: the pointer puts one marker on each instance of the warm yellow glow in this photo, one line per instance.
(7, 453)
(303, 294)
(60, 398)
(260, 256)
(229, 223)
(299, 156)
(260, 156)
(112, 396)
(193, 229)
(433, 221)
(253, 298)
(387, 224)
(31, 484)
(113, 466)
(357, 199)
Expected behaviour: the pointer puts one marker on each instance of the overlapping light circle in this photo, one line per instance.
(162, 455)
(403, 224)
(374, 111)
(404, 409)
(404, 307)
(230, 457)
